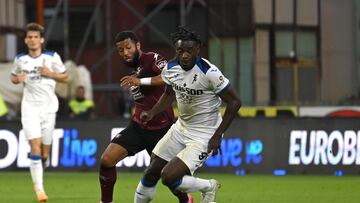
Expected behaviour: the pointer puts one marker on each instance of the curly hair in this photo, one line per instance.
(185, 34)
(125, 35)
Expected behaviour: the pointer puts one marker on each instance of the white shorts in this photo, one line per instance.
(39, 126)
(178, 142)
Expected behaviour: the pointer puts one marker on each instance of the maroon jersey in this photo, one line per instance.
(145, 97)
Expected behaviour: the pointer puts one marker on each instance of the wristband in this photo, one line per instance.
(145, 81)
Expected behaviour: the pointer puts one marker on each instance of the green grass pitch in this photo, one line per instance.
(66, 187)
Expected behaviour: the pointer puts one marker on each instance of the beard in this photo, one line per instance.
(135, 62)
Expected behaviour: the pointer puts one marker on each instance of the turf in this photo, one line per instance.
(66, 187)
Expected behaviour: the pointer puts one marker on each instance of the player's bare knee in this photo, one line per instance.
(167, 178)
(106, 160)
(35, 150)
(152, 176)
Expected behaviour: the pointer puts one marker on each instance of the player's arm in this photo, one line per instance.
(59, 77)
(128, 81)
(17, 76)
(230, 97)
(165, 101)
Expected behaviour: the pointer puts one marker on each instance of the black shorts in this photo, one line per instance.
(135, 139)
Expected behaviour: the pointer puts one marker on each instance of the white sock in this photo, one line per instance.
(193, 184)
(36, 171)
(144, 194)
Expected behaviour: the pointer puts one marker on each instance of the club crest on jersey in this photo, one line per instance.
(194, 79)
(160, 64)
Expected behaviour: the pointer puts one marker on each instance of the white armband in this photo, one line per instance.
(145, 81)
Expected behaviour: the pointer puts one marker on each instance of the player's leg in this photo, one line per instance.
(47, 129)
(166, 148)
(107, 175)
(177, 173)
(36, 169)
(146, 188)
(40, 149)
(45, 153)
(127, 143)
(32, 129)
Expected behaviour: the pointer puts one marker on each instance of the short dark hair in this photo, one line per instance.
(125, 35)
(185, 34)
(35, 27)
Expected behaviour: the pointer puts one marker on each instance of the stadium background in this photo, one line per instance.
(295, 64)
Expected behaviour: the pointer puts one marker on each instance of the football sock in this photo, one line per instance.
(36, 171)
(182, 196)
(145, 191)
(193, 184)
(107, 178)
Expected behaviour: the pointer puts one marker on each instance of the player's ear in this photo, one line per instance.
(42, 40)
(197, 50)
(138, 45)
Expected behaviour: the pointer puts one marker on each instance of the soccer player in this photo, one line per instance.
(198, 87)
(136, 136)
(38, 70)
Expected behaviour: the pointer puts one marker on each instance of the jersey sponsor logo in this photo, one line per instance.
(136, 93)
(221, 78)
(187, 90)
(33, 76)
(185, 99)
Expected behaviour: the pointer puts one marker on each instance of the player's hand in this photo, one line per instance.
(128, 81)
(21, 77)
(214, 144)
(45, 71)
(145, 116)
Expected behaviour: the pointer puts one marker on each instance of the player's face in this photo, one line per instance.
(128, 51)
(186, 52)
(33, 40)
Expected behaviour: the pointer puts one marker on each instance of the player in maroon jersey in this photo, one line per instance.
(136, 136)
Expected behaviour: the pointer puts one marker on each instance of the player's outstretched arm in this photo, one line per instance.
(232, 107)
(128, 81)
(165, 101)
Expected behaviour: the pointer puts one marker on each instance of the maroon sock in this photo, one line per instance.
(182, 196)
(107, 178)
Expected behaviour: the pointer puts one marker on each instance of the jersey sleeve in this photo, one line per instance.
(217, 80)
(165, 75)
(16, 69)
(57, 64)
(159, 64)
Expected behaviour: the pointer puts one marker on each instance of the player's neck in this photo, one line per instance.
(34, 52)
